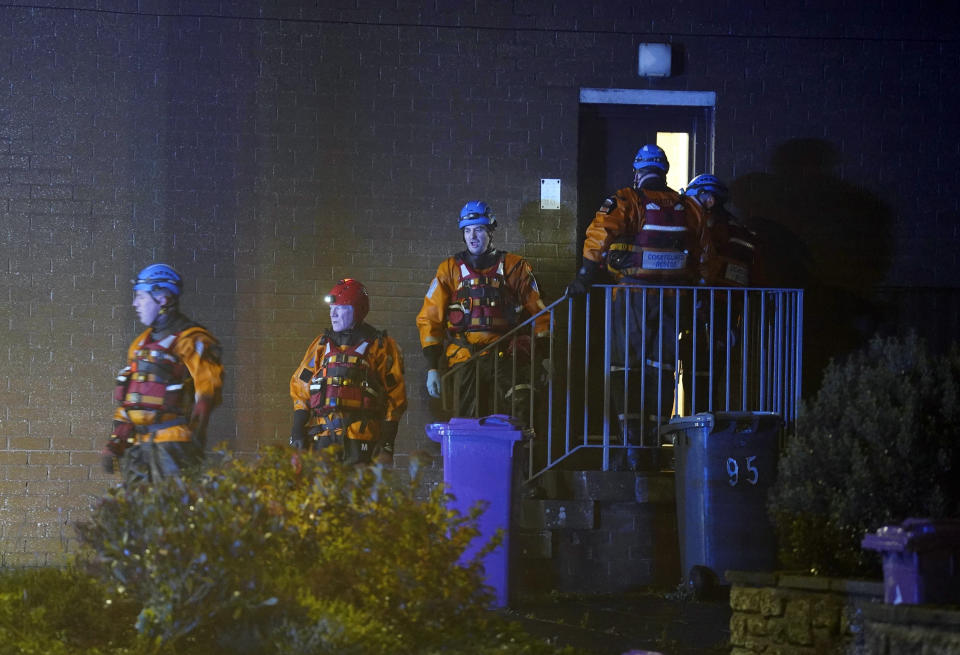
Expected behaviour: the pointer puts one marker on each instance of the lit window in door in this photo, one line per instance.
(677, 147)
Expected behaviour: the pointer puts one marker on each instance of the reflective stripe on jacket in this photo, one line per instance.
(650, 235)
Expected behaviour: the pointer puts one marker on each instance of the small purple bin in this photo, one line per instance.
(478, 466)
(921, 561)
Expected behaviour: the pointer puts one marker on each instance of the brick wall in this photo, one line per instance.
(896, 629)
(268, 149)
(796, 614)
(805, 615)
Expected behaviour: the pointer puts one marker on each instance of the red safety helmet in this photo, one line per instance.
(350, 292)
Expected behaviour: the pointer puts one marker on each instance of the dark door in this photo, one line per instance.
(610, 136)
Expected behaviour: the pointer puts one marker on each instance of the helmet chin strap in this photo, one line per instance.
(643, 176)
(165, 315)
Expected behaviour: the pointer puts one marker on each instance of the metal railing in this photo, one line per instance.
(620, 361)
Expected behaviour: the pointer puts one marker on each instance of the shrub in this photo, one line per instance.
(295, 553)
(876, 445)
(52, 611)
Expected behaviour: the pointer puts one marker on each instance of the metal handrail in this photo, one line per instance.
(690, 349)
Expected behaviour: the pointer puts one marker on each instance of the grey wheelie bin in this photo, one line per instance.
(725, 465)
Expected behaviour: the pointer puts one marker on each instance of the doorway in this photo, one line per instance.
(614, 123)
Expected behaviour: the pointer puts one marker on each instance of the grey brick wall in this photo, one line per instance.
(267, 149)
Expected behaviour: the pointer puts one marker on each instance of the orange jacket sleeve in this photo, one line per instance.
(698, 237)
(300, 380)
(387, 360)
(520, 279)
(200, 352)
(431, 320)
(618, 215)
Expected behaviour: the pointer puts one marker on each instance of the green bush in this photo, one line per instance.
(876, 445)
(51, 611)
(294, 553)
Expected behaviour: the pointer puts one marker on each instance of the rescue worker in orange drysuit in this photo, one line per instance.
(349, 388)
(647, 235)
(478, 295)
(730, 257)
(167, 390)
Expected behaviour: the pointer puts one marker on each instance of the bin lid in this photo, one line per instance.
(761, 422)
(710, 420)
(697, 421)
(914, 534)
(495, 426)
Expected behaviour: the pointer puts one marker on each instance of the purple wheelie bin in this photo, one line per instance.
(478, 466)
(921, 561)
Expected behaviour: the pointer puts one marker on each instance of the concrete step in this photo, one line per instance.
(548, 514)
(641, 487)
(596, 532)
(532, 544)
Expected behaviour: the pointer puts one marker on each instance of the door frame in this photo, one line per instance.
(657, 98)
(703, 103)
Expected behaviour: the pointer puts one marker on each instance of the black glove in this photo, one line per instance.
(584, 279)
(199, 418)
(543, 365)
(432, 355)
(384, 452)
(121, 439)
(388, 434)
(298, 431)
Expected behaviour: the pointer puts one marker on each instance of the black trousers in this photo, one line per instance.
(150, 461)
(495, 383)
(644, 354)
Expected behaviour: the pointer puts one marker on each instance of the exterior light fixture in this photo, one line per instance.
(653, 60)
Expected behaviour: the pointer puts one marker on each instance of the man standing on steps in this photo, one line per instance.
(647, 235)
(732, 256)
(477, 296)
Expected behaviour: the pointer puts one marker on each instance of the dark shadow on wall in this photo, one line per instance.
(825, 235)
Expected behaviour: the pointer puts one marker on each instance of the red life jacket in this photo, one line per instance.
(346, 382)
(482, 301)
(659, 250)
(156, 380)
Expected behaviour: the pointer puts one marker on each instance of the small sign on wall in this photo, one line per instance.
(549, 194)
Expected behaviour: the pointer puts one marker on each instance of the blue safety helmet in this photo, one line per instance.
(476, 212)
(651, 156)
(710, 183)
(159, 278)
